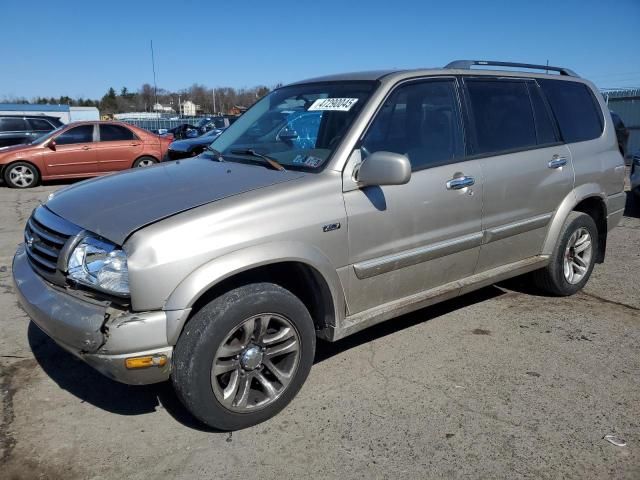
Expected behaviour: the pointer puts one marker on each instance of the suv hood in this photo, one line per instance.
(117, 205)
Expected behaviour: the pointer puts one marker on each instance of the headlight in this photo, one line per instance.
(101, 265)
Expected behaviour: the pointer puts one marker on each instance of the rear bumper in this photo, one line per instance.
(615, 209)
(93, 331)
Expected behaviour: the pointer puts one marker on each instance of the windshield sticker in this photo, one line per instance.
(299, 159)
(312, 161)
(333, 104)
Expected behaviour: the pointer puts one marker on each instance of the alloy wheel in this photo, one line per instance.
(255, 363)
(577, 256)
(22, 176)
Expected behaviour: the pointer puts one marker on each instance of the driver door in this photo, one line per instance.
(74, 153)
(406, 239)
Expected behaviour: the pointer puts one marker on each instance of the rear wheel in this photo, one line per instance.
(144, 162)
(21, 175)
(573, 259)
(244, 356)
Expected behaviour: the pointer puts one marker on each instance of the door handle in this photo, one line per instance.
(459, 183)
(557, 162)
(86, 148)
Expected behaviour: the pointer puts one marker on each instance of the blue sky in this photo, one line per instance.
(81, 48)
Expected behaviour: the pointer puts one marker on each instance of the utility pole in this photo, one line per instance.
(153, 66)
(214, 101)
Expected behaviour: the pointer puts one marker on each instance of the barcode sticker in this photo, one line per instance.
(333, 104)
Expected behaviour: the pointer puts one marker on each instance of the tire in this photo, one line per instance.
(143, 162)
(209, 337)
(564, 280)
(21, 175)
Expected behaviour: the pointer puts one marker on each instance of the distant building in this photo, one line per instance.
(189, 109)
(65, 113)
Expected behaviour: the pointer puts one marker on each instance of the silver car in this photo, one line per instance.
(410, 187)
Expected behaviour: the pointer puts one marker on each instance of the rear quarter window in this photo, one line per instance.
(575, 108)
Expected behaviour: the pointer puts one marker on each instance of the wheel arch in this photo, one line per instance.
(303, 270)
(588, 199)
(157, 160)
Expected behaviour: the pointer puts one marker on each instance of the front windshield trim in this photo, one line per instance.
(367, 93)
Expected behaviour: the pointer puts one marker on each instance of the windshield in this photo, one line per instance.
(46, 136)
(298, 126)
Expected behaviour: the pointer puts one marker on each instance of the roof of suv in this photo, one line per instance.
(458, 67)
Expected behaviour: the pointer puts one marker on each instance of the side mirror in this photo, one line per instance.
(52, 145)
(384, 168)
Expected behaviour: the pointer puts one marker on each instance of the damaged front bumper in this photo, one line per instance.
(94, 331)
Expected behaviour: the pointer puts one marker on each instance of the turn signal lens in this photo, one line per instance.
(146, 362)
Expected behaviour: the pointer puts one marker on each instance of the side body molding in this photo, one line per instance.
(221, 268)
(568, 204)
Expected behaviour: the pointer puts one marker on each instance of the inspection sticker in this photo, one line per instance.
(333, 104)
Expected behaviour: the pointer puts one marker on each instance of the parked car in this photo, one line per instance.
(622, 133)
(214, 123)
(635, 173)
(220, 272)
(18, 129)
(80, 149)
(192, 146)
(185, 130)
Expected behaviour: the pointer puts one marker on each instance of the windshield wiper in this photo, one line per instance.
(252, 153)
(217, 156)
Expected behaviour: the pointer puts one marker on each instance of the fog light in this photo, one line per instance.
(146, 361)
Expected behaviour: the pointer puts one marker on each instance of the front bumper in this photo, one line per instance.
(102, 336)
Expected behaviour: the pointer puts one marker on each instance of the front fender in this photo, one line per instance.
(226, 266)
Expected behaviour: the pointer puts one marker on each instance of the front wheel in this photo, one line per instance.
(244, 356)
(21, 175)
(573, 259)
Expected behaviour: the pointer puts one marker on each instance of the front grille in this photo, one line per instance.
(46, 236)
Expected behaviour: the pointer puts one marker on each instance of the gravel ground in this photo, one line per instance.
(501, 383)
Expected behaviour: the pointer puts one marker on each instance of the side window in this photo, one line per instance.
(81, 134)
(502, 115)
(115, 133)
(40, 125)
(9, 124)
(422, 121)
(545, 130)
(575, 108)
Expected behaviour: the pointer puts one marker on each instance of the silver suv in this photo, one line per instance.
(331, 205)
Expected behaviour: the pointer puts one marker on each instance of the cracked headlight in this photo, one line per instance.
(100, 265)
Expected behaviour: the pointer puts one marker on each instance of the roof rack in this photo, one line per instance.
(467, 64)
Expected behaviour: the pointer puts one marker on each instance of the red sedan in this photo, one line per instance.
(81, 149)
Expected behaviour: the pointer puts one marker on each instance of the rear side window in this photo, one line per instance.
(114, 133)
(40, 125)
(502, 115)
(575, 109)
(8, 124)
(81, 134)
(545, 130)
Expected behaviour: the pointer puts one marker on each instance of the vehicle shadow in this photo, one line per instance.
(85, 383)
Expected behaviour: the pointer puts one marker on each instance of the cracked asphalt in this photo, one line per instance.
(501, 383)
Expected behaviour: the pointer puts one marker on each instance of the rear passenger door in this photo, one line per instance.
(117, 148)
(527, 170)
(406, 239)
